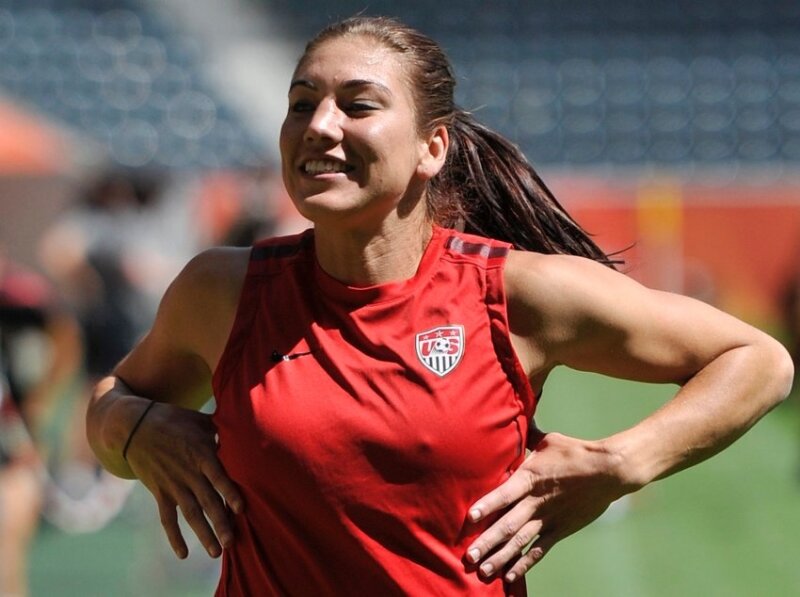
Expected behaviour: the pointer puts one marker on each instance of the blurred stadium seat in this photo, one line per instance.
(117, 72)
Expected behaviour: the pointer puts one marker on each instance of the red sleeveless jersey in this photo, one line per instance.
(360, 423)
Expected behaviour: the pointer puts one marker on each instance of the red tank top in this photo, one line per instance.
(360, 423)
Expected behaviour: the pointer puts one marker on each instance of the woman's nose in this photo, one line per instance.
(325, 123)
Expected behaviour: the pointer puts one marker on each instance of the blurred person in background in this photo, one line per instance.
(31, 383)
(376, 376)
(92, 254)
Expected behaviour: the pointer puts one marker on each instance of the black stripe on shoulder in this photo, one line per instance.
(458, 245)
(279, 251)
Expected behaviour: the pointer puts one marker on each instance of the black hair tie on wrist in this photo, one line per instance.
(135, 427)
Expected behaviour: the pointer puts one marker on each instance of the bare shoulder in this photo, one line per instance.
(553, 300)
(554, 283)
(216, 274)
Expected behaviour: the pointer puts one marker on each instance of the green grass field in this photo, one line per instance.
(728, 527)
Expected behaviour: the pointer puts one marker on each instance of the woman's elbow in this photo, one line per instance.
(779, 368)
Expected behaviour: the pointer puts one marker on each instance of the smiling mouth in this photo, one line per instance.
(325, 167)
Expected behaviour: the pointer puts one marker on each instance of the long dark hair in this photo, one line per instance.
(487, 186)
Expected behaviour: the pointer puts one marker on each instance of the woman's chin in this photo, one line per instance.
(320, 208)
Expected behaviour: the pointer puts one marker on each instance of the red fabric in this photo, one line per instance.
(358, 461)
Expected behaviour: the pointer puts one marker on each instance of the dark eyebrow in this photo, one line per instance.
(366, 83)
(346, 85)
(302, 83)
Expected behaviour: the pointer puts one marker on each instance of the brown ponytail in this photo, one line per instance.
(489, 187)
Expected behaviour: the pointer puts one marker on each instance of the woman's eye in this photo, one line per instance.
(360, 107)
(301, 106)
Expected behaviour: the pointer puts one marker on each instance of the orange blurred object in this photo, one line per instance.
(29, 145)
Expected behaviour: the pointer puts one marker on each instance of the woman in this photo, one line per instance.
(376, 377)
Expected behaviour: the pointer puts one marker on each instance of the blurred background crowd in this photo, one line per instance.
(134, 133)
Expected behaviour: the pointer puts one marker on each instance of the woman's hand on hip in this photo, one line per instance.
(562, 486)
(174, 454)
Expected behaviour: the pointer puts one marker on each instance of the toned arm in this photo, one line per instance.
(575, 312)
(571, 311)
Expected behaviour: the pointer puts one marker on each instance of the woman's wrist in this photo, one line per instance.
(134, 429)
(626, 463)
(112, 415)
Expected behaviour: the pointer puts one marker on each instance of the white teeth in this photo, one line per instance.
(322, 166)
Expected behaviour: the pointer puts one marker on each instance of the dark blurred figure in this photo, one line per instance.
(30, 314)
(109, 312)
(246, 230)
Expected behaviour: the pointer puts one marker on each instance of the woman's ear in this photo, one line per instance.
(433, 151)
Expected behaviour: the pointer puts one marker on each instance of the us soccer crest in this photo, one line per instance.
(441, 349)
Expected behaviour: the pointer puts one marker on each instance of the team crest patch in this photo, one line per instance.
(441, 349)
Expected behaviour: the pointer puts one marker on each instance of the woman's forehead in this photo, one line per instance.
(351, 57)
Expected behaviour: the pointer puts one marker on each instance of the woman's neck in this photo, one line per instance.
(369, 257)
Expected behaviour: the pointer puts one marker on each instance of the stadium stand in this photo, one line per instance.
(116, 71)
(622, 82)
